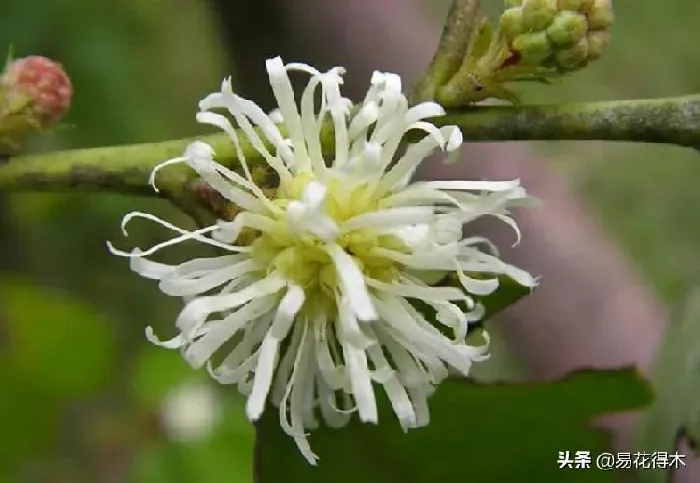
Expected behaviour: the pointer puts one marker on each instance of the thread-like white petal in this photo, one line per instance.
(316, 299)
(353, 283)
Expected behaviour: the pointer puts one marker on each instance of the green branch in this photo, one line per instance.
(123, 169)
(667, 121)
(451, 50)
(126, 169)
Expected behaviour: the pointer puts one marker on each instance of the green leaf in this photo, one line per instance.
(478, 433)
(509, 291)
(57, 343)
(676, 380)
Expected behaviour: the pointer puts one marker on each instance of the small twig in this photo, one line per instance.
(666, 121)
(453, 46)
(126, 169)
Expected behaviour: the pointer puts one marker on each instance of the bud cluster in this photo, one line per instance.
(562, 34)
(536, 40)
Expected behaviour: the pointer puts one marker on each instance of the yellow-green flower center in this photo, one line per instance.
(300, 256)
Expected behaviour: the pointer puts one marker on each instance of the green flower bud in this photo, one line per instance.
(538, 14)
(586, 5)
(537, 40)
(533, 48)
(598, 40)
(570, 5)
(573, 57)
(600, 15)
(567, 28)
(512, 23)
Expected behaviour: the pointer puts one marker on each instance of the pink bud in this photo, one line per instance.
(44, 83)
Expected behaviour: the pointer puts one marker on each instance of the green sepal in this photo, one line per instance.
(482, 41)
(10, 57)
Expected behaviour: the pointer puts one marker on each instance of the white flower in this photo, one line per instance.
(318, 307)
(190, 412)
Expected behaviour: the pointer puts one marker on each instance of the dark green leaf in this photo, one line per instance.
(478, 433)
(508, 292)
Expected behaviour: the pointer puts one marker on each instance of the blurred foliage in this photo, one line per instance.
(40, 340)
(81, 388)
(225, 456)
(676, 407)
(491, 438)
(643, 194)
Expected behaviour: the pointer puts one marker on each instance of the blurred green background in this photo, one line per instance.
(81, 390)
